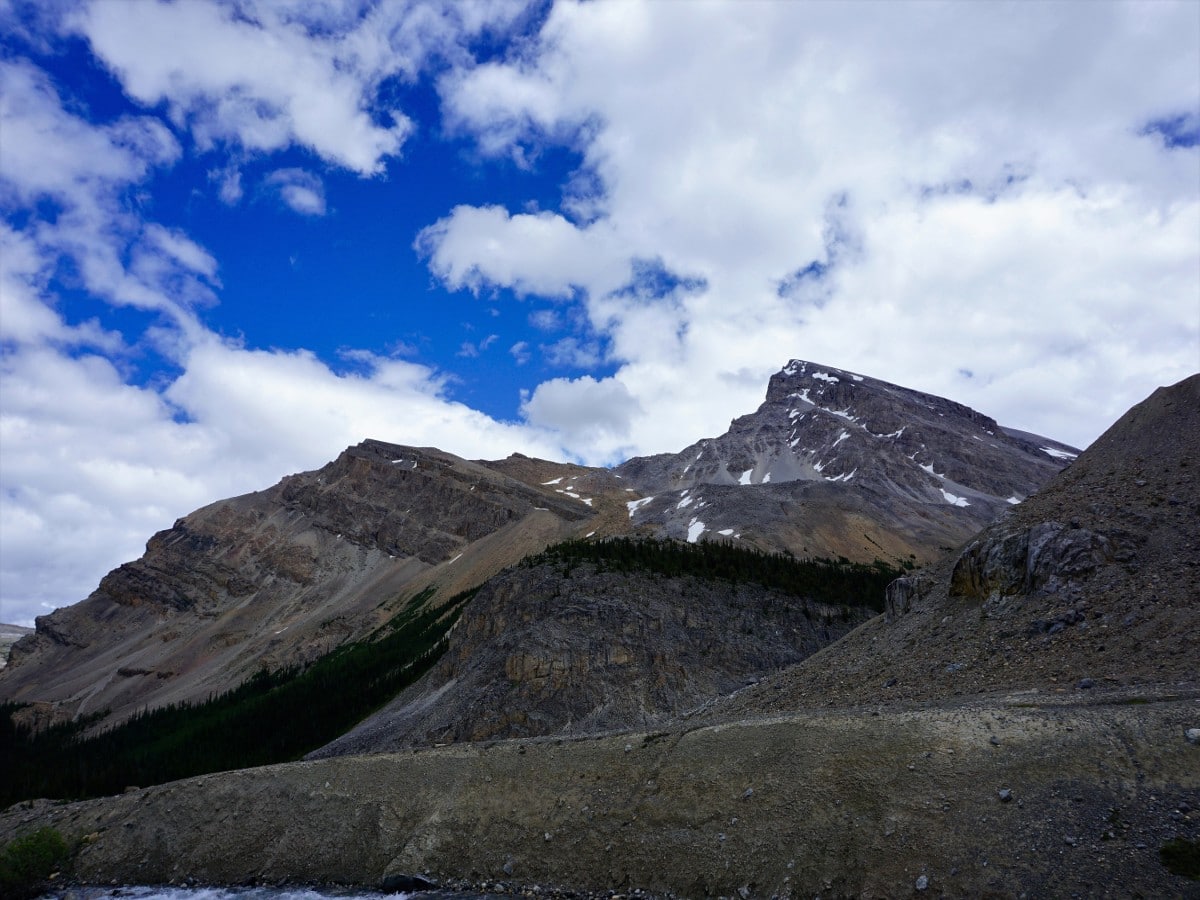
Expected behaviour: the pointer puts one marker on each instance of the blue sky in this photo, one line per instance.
(238, 237)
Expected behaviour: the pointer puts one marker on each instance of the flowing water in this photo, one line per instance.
(143, 892)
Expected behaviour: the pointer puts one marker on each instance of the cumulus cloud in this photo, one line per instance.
(896, 195)
(264, 76)
(588, 413)
(302, 191)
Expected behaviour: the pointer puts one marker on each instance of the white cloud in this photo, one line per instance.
(520, 352)
(541, 253)
(302, 191)
(574, 353)
(265, 75)
(588, 413)
(976, 185)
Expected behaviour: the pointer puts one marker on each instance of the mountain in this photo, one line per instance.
(280, 577)
(833, 464)
(926, 473)
(1021, 722)
(1089, 585)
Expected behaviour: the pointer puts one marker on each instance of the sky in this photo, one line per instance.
(239, 237)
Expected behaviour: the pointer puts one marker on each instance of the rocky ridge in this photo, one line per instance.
(280, 577)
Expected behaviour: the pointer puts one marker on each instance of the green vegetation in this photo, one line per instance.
(27, 862)
(839, 582)
(1181, 857)
(272, 717)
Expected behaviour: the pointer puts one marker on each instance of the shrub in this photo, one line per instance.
(27, 862)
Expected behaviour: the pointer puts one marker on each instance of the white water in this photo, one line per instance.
(163, 892)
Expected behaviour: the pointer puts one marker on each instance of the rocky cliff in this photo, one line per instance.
(556, 648)
(282, 576)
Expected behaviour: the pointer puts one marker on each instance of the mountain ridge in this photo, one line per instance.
(280, 576)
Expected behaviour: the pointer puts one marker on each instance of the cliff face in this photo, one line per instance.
(549, 649)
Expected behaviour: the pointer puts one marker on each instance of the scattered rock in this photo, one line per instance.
(1193, 735)
(1005, 795)
(922, 882)
(1086, 684)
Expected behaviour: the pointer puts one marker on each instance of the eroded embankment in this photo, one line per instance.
(834, 803)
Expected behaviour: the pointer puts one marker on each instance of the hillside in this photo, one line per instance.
(1090, 584)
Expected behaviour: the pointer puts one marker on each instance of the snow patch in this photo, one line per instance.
(553, 480)
(1014, 499)
(841, 477)
(855, 377)
(1059, 454)
(684, 501)
(766, 478)
(587, 500)
(588, 535)
(634, 505)
(825, 376)
(745, 479)
(929, 469)
(953, 500)
(841, 437)
(695, 529)
(456, 559)
(725, 532)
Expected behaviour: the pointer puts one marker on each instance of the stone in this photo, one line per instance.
(1086, 684)
(1193, 735)
(922, 882)
(1005, 795)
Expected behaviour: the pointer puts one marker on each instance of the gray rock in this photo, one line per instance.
(922, 882)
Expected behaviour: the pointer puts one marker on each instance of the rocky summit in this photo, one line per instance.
(845, 465)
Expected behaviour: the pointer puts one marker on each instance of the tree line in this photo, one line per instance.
(823, 580)
(272, 717)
